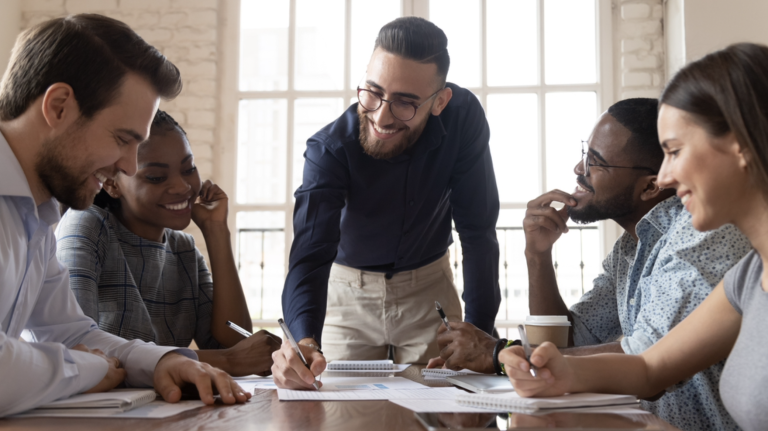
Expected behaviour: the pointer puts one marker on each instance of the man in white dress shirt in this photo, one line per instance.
(76, 100)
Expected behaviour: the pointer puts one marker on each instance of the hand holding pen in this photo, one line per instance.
(291, 369)
(527, 348)
(442, 315)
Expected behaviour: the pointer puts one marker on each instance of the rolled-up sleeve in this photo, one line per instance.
(596, 315)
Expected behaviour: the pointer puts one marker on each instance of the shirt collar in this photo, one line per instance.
(661, 217)
(14, 183)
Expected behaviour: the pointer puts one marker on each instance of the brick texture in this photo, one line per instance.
(186, 33)
(639, 33)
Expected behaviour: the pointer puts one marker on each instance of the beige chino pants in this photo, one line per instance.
(367, 312)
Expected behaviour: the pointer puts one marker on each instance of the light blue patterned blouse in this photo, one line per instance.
(651, 285)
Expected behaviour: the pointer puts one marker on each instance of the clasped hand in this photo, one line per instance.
(554, 376)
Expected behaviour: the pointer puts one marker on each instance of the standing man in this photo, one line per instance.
(658, 272)
(77, 99)
(382, 185)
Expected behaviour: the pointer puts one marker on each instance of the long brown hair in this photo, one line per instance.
(92, 53)
(727, 91)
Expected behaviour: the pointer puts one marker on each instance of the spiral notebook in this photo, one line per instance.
(511, 401)
(385, 365)
(442, 373)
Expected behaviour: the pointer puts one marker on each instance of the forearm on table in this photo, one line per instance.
(228, 298)
(614, 374)
(614, 347)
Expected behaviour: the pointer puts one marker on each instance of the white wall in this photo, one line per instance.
(697, 27)
(639, 48)
(10, 24)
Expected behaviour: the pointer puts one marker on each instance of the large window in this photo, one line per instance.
(534, 65)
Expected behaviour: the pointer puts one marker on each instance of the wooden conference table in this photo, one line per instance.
(266, 412)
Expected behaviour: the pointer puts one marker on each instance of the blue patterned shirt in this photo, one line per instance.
(651, 285)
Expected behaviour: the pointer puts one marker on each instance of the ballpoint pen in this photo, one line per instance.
(238, 329)
(442, 315)
(295, 346)
(527, 348)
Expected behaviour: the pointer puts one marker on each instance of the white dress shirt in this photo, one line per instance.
(35, 295)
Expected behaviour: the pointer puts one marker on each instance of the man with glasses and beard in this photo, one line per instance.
(373, 219)
(658, 272)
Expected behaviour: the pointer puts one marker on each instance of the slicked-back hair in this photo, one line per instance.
(727, 91)
(416, 39)
(639, 116)
(92, 54)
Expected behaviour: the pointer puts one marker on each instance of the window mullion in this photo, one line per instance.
(542, 99)
(289, 145)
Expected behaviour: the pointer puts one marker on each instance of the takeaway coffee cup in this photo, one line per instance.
(547, 328)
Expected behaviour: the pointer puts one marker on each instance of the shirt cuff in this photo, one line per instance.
(87, 369)
(483, 324)
(305, 328)
(141, 362)
(581, 334)
(636, 344)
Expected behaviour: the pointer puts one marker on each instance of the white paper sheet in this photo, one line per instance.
(253, 383)
(368, 394)
(368, 383)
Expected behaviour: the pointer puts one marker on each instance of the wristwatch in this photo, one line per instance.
(312, 345)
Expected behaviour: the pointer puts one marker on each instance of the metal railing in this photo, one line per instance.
(506, 236)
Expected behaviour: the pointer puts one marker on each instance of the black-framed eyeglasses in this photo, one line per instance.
(403, 111)
(586, 164)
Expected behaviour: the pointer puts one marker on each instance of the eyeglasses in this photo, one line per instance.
(587, 164)
(403, 111)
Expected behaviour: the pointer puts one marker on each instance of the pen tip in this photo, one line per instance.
(437, 306)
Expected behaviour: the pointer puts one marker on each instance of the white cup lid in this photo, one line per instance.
(547, 321)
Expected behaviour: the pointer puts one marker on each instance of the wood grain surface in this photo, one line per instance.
(265, 412)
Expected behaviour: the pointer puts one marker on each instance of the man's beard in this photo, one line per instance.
(615, 207)
(379, 149)
(62, 180)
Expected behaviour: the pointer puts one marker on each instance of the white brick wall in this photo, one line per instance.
(638, 34)
(185, 31)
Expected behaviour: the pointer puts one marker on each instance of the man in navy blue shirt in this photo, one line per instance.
(372, 223)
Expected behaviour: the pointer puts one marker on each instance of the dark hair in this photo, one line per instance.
(91, 53)
(727, 91)
(162, 123)
(416, 39)
(639, 117)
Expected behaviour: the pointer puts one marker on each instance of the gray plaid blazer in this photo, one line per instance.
(135, 288)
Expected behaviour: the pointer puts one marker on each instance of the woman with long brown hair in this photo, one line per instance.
(713, 127)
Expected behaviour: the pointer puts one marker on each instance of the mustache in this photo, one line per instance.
(582, 180)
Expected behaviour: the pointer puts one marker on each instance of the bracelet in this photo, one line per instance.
(510, 343)
(496, 349)
(312, 345)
